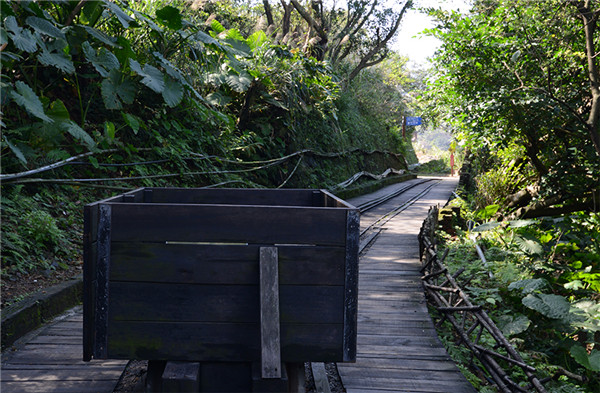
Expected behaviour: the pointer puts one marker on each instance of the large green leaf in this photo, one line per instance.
(256, 39)
(511, 326)
(206, 39)
(3, 36)
(173, 91)
(103, 62)
(56, 58)
(487, 212)
(149, 21)
(132, 121)
(58, 111)
(170, 17)
(108, 88)
(23, 39)
(521, 223)
(151, 76)
(44, 26)
(585, 314)
(487, 226)
(217, 26)
(101, 36)
(218, 99)
(529, 285)
(121, 15)
(590, 361)
(78, 133)
(551, 306)
(16, 151)
(26, 97)
(239, 83)
(528, 244)
(115, 89)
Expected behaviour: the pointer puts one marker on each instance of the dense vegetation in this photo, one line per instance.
(519, 81)
(104, 96)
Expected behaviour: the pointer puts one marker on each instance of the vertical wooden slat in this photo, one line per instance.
(89, 259)
(351, 285)
(269, 313)
(102, 284)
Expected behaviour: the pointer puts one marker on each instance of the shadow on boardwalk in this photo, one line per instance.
(50, 360)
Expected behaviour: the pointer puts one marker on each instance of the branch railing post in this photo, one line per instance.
(433, 271)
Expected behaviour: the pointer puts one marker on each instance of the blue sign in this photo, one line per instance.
(413, 121)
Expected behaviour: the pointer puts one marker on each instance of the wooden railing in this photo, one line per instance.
(473, 327)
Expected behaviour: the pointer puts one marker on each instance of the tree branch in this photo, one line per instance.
(308, 18)
(381, 44)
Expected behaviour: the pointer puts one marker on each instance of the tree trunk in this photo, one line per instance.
(268, 13)
(287, 13)
(590, 20)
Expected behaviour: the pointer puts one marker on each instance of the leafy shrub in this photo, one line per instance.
(544, 290)
(41, 227)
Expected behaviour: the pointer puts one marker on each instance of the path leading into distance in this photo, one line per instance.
(398, 348)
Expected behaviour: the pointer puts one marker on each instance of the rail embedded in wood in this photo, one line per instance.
(469, 321)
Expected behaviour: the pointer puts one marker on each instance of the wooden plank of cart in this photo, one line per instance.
(221, 289)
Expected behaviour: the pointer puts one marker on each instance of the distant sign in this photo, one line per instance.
(413, 121)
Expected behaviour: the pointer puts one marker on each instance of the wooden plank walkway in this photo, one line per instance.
(398, 348)
(50, 360)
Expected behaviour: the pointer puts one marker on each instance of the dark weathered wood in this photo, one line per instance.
(154, 375)
(90, 214)
(197, 341)
(270, 197)
(351, 285)
(147, 195)
(225, 377)
(223, 264)
(181, 377)
(269, 314)
(228, 224)
(132, 301)
(102, 281)
(269, 385)
(191, 257)
(333, 201)
(297, 377)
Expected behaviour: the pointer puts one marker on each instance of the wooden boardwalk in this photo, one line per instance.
(398, 349)
(50, 360)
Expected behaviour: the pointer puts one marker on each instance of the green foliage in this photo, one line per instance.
(41, 226)
(509, 74)
(537, 294)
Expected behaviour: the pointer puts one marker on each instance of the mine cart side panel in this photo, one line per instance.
(228, 224)
(179, 281)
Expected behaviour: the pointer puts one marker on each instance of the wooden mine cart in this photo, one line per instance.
(217, 276)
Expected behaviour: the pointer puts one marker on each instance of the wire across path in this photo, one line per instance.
(398, 348)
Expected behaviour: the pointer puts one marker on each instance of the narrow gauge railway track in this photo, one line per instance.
(375, 225)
